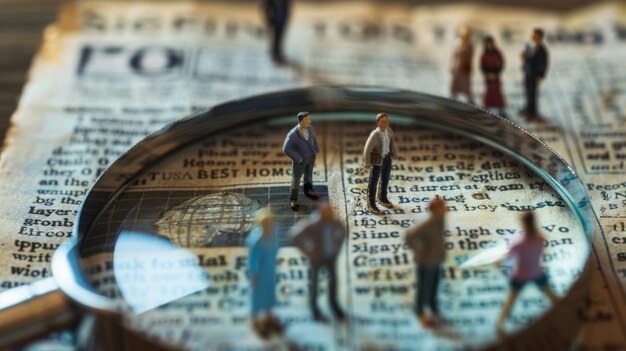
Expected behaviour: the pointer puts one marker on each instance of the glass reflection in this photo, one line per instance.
(194, 212)
(150, 271)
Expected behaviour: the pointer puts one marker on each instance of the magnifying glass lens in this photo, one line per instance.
(171, 245)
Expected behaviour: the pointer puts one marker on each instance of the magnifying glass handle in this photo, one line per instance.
(34, 310)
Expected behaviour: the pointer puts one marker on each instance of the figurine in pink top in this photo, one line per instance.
(527, 254)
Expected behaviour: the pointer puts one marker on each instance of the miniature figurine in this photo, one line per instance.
(535, 57)
(320, 238)
(277, 16)
(427, 242)
(380, 148)
(492, 63)
(263, 246)
(462, 66)
(301, 146)
(527, 253)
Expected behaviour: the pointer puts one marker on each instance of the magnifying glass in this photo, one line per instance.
(160, 259)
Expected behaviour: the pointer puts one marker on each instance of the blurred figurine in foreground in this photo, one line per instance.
(527, 253)
(263, 246)
(301, 146)
(276, 17)
(535, 57)
(427, 242)
(380, 148)
(462, 66)
(491, 64)
(320, 239)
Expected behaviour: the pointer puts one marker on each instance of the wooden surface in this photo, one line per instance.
(22, 23)
(21, 26)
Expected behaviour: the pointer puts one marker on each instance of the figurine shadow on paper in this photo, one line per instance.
(320, 239)
(302, 71)
(263, 245)
(535, 67)
(427, 241)
(526, 251)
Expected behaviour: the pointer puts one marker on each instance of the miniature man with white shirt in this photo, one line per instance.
(379, 150)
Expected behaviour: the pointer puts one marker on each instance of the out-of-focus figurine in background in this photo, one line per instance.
(491, 64)
(462, 66)
(427, 242)
(535, 57)
(277, 16)
(262, 244)
(301, 146)
(526, 252)
(320, 238)
(379, 150)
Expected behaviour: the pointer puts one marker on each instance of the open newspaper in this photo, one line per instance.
(109, 74)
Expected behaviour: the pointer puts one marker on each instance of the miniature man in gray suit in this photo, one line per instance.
(380, 148)
(301, 146)
(428, 244)
(320, 239)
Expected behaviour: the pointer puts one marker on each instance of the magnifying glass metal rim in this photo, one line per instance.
(435, 112)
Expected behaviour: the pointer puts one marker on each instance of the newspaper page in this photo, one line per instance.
(109, 74)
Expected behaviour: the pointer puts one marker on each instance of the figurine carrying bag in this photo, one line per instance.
(376, 158)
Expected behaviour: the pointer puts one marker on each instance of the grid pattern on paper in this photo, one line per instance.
(149, 212)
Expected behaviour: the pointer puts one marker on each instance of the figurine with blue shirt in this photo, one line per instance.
(301, 147)
(263, 246)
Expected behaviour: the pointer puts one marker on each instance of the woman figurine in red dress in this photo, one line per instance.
(491, 63)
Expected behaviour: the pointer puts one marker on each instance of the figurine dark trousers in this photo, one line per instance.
(277, 38)
(531, 94)
(277, 14)
(297, 170)
(332, 290)
(381, 173)
(427, 285)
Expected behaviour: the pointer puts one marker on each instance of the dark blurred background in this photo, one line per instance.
(22, 23)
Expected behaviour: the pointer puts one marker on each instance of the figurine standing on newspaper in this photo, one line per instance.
(379, 150)
(301, 146)
(535, 57)
(462, 66)
(491, 64)
(263, 246)
(527, 253)
(320, 238)
(277, 16)
(427, 242)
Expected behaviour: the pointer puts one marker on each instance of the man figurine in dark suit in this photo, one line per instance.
(380, 148)
(320, 238)
(427, 240)
(301, 147)
(535, 58)
(276, 16)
